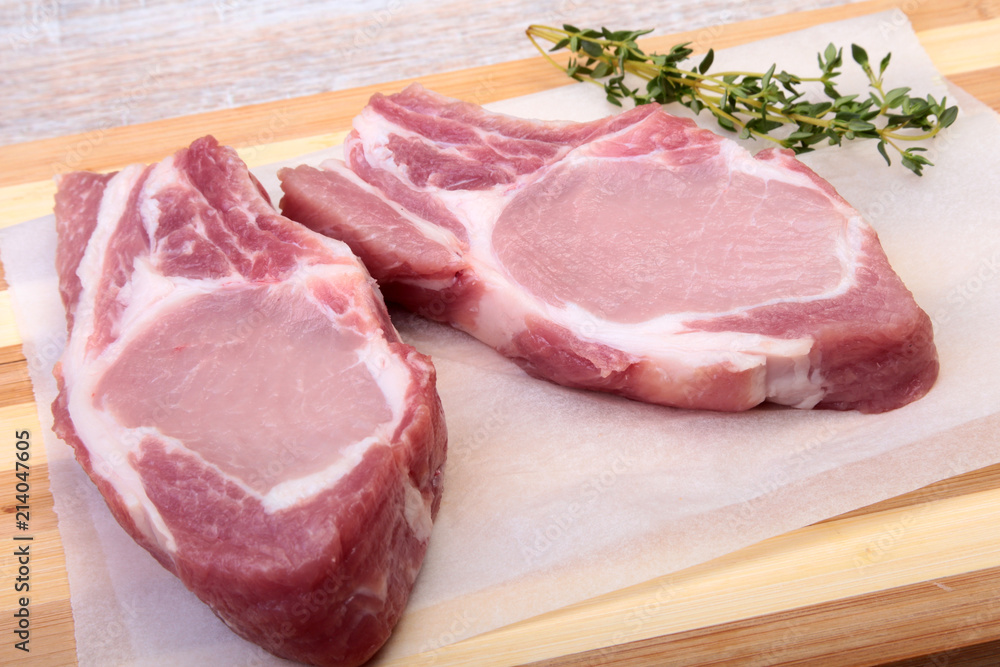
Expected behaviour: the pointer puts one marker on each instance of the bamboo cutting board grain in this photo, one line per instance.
(914, 580)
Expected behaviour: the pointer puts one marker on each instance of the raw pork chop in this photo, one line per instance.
(636, 254)
(234, 387)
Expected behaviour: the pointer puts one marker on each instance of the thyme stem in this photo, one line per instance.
(754, 104)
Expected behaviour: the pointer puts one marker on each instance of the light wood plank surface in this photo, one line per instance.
(929, 595)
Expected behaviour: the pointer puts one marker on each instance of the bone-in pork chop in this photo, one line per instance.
(636, 254)
(234, 387)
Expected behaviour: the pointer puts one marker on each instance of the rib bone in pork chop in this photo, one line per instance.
(635, 254)
(234, 387)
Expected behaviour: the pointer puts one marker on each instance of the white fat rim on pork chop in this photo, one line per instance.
(149, 294)
(788, 378)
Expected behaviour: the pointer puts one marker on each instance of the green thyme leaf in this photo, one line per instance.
(753, 104)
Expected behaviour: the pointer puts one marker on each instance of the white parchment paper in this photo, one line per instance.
(556, 495)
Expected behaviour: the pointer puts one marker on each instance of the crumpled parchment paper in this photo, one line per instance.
(555, 495)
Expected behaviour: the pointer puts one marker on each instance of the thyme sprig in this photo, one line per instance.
(755, 104)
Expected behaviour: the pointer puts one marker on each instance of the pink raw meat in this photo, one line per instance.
(636, 254)
(233, 386)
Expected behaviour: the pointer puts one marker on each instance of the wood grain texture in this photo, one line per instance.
(929, 599)
(974, 655)
(15, 385)
(983, 81)
(953, 612)
(52, 641)
(822, 566)
(118, 62)
(102, 149)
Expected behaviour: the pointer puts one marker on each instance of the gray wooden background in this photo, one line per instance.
(69, 66)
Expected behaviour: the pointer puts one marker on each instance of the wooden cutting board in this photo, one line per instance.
(914, 580)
